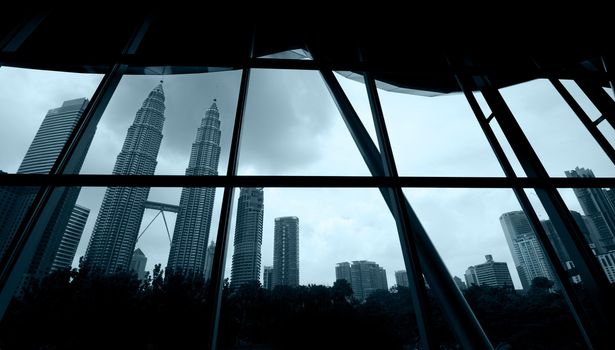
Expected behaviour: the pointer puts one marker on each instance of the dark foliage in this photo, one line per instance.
(87, 310)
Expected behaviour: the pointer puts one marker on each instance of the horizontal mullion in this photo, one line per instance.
(297, 181)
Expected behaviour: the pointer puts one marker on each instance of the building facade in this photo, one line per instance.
(209, 259)
(189, 245)
(460, 284)
(268, 277)
(494, 274)
(137, 263)
(528, 256)
(246, 263)
(70, 240)
(598, 208)
(286, 251)
(401, 278)
(117, 225)
(366, 277)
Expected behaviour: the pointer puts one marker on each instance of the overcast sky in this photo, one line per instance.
(292, 127)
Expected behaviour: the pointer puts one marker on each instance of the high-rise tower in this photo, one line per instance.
(116, 229)
(43, 152)
(286, 251)
(246, 265)
(189, 246)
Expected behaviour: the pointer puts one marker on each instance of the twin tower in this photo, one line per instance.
(115, 233)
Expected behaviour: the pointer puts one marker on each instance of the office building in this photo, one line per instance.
(494, 274)
(460, 284)
(268, 277)
(70, 240)
(209, 259)
(246, 264)
(365, 277)
(401, 278)
(137, 263)
(286, 251)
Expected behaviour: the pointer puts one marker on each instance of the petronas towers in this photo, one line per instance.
(117, 226)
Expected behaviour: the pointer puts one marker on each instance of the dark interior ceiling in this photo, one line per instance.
(418, 50)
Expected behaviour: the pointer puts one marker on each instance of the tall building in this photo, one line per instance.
(286, 251)
(137, 263)
(43, 152)
(470, 276)
(246, 264)
(607, 261)
(598, 208)
(189, 246)
(209, 259)
(401, 278)
(460, 284)
(342, 271)
(527, 253)
(70, 240)
(117, 226)
(365, 277)
(268, 277)
(494, 274)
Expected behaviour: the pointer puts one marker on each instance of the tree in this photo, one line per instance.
(541, 284)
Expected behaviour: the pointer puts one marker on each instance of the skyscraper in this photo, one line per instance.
(116, 229)
(598, 208)
(43, 152)
(527, 252)
(246, 264)
(286, 251)
(70, 240)
(470, 276)
(189, 246)
(365, 277)
(401, 278)
(460, 284)
(137, 263)
(268, 277)
(494, 274)
(209, 259)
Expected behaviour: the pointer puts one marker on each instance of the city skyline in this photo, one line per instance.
(340, 211)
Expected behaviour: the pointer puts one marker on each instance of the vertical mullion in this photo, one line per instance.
(217, 270)
(407, 241)
(585, 119)
(455, 308)
(567, 229)
(571, 298)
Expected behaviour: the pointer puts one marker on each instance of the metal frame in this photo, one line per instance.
(420, 256)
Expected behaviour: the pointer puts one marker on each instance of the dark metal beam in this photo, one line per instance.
(599, 98)
(569, 294)
(161, 206)
(22, 33)
(456, 310)
(406, 238)
(585, 119)
(217, 274)
(297, 181)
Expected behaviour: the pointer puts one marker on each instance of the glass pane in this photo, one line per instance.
(558, 137)
(173, 124)
(292, 127)
(608, 132)
(145, 266)
(486, 241)
(296, 54)
(354, 87)
(508, 151)
(14, 205)
(290, 250)
(437, 136)
(38, 111)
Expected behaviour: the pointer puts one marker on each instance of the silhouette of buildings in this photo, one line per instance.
(189, 246)
(115, 232)
(246, 264)
(286, 251)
